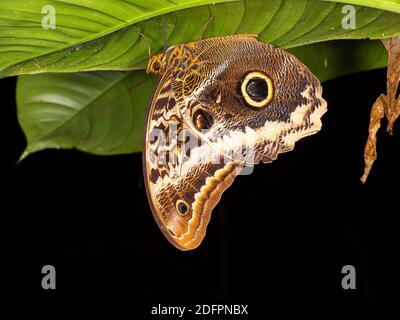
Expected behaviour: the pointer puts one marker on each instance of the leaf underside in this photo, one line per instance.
(102, 112)
(103, 35)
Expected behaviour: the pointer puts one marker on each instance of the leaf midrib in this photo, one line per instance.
(128, 23)
(381, 4)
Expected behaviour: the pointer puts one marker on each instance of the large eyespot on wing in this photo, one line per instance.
(183, 193)
(257, 89)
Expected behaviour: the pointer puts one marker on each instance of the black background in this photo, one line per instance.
(282, 234)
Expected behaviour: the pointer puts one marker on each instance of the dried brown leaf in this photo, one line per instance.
(385, 105)
(377, 113)
(392, 45)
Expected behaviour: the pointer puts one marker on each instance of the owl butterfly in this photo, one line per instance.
(221, 104)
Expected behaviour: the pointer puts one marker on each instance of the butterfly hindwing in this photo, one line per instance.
(221, 104)
(184, 183)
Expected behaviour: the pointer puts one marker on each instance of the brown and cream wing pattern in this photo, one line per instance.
(222, 104)
(184, 183)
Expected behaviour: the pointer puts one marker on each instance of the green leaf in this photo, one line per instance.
(98, 112)
(103, 112)
(103, 35)
(331, 59)
(388, 5)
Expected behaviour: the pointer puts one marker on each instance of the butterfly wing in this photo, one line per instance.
(184, 181)
(213, 83)
(202, 128)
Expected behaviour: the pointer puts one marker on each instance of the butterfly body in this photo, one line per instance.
(221, 104)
